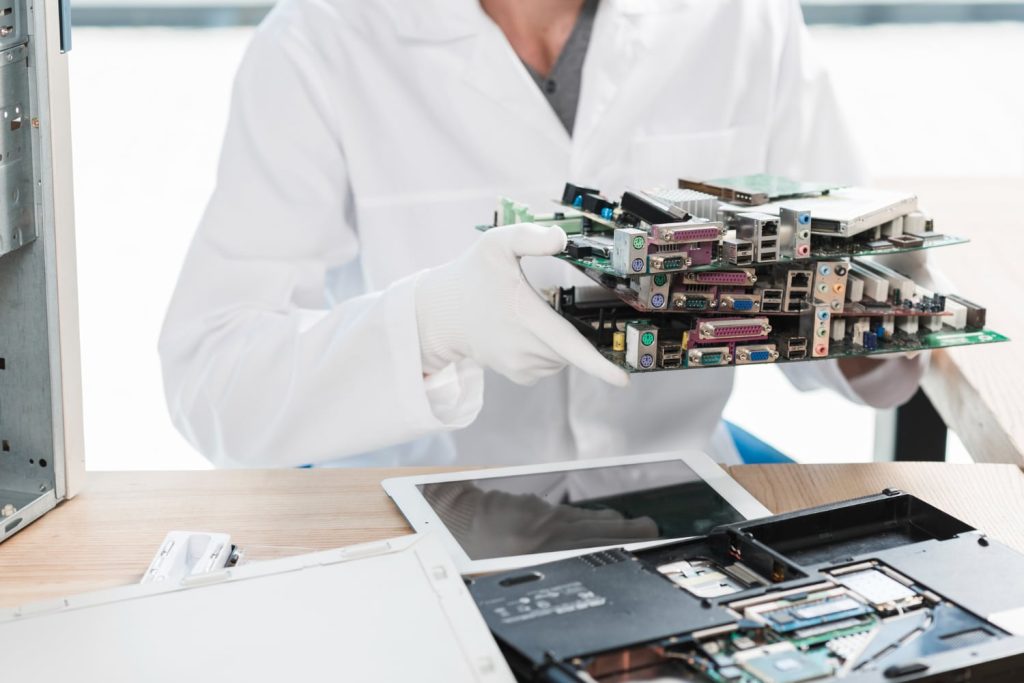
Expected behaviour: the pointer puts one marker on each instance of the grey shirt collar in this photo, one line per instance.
(561, 87)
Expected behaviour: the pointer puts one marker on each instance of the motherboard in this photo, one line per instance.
(885, 588)
(750, 270)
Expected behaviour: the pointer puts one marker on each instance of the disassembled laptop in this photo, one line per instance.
(751, 270)
(885, 588)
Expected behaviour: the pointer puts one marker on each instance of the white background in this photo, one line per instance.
(149, 107)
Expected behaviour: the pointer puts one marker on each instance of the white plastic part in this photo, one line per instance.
(876, 288)
(915, 222)
(861, 326)
(838, 329)
(854, 288)
(958, 320)
(908, 324)
(188, 553)
(290, 619)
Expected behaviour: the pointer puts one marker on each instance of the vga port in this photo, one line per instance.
(742, 303)
(735, 328)
(709, 356)
(756, 353)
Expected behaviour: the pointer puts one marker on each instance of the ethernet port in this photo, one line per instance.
(769, 229)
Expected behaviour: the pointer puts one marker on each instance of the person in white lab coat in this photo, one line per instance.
(337, 306)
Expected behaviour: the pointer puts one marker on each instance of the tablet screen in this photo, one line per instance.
(569, 510)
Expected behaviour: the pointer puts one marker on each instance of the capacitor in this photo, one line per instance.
(618, 341)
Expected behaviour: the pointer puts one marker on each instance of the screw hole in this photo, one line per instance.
(42, 462)
(31, 461)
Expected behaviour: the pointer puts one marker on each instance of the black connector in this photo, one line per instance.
(596, 204)
(579, 251)
(573, 194)
(646, 210)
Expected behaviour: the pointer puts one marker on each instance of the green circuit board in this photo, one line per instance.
(604, 265)
(896, 343)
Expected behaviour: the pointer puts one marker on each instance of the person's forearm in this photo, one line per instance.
(853, 368)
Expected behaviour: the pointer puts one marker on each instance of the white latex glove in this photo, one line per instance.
(481, 307)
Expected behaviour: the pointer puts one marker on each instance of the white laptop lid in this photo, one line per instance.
(391, 611)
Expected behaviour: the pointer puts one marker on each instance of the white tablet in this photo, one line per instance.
(505, 518)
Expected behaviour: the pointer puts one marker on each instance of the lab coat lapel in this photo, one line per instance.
(488, 63)
(494, 70)
(623, 64)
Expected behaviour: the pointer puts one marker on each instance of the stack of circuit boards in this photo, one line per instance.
(751, 270)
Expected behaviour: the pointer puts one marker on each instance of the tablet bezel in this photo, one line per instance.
(421, 516)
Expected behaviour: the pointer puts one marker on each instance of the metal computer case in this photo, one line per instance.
(41, 442)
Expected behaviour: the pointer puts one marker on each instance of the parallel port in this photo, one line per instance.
(706, 233)
(738, 278)
(737, 328)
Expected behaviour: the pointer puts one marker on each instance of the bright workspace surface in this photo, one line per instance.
(107, 536)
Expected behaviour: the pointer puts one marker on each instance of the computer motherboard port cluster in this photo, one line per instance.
(781, 272)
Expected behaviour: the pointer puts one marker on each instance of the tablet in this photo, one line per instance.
(506, 518)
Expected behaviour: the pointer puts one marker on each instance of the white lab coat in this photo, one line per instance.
(368, 137)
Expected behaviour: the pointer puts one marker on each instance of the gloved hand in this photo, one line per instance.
(481, 307)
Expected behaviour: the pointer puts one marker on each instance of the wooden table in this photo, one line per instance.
(107, 535)
(979, 392)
